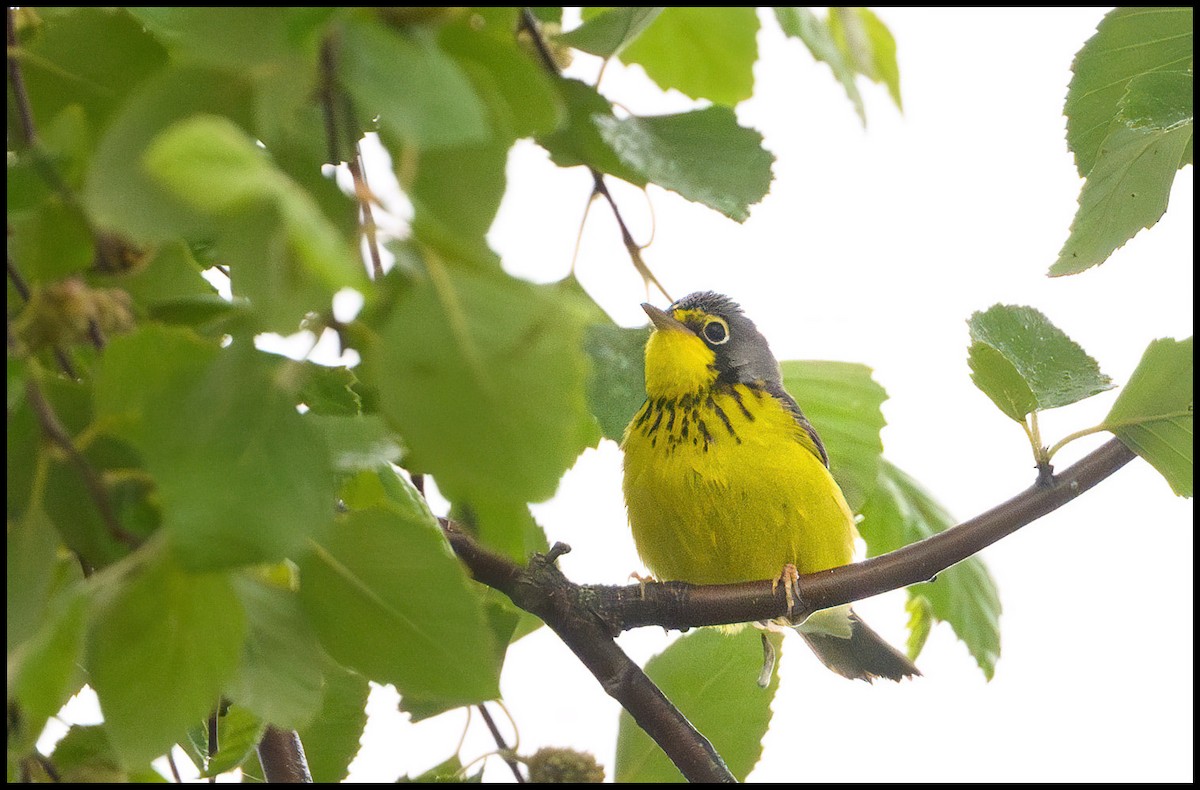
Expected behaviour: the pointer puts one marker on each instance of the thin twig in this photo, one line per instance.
(528, 24)
(505, 752)
(17, 81)
(362, 193)
(55, 432)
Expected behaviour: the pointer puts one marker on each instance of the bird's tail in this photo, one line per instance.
(856, 652)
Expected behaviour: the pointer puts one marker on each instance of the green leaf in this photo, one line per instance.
(802, 23)
(161, 634)
(617, 385)
(900, 512)
(1129, 185)
(50, 243)
(91, 58)
(1153, 413)
(356, 443)
(1129, 42)
(32, 545)
(712, 678)
(419, 93)
(43, 672)
(163, 388)
(868, 45)
(920, 622)
(240, 39)
(483, 376)
(119, 194)
(1025, 363)
(579, 141)
(387, 598)
(238, 733)
(704, 155)
(609, 32)
(704, 53)
(279, 677)
(212, 164)
(332, 740)
(328, 391)
(85, 755)
(843, 402)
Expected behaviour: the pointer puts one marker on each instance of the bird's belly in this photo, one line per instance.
(731, 498)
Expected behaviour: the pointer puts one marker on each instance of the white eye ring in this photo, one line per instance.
(716, 331)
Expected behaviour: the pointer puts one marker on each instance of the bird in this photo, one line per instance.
(726, 480)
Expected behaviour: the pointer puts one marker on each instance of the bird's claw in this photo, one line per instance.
(788, 578)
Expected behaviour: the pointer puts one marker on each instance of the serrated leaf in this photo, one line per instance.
(607, 33)
(1128, 42)
(1153, 413)
(704, 155)
(843, 402)
(900, 512)
(162, 388)
(578, 141)
(388, 599)
(279, 676)
(704, 53)
(166, 635)
(1032, 358)
(420, 94)
(484, 379)
(868, 46)
(617, 385)
(920, 623)
(331, 741)
(802, 23)
(712, 677)
(1129, 185)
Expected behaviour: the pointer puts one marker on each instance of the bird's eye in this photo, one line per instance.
(716, 331)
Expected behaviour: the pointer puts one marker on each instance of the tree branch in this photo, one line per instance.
(282, 757)
(587, 617)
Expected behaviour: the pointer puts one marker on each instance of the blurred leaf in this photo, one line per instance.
(91, 58)
(677, 153)
(420, 95)
(447, 771)
(279, 676)
(712, 677)
(85, 755)
(51, 242)
(1024, 363)
(617, 385)
(842, 401)
(163, 388)
(579, 141)
(328, 391)
(162, 634)
(331, 741)
(43, 672)
(241, 39)
(31, 548)
(702, 52)
(1153, 413)
(900, 512)
(1129, 42)
(1129, 185)
(387, 597)
(238, 733)
(119, 194)
(608, 32)
(802, 23)
(482, 375)
(867, 45)
(356, 443)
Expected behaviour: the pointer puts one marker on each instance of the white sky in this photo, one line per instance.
(875, 246)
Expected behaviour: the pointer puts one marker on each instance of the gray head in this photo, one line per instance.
(743, 355)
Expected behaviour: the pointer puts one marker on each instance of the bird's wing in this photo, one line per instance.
(809, 437)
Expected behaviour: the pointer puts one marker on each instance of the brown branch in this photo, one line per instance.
(587, 617)
(282, 757)
(17, 81)
(541, 589)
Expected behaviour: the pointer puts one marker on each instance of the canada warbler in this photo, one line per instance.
(727, 481)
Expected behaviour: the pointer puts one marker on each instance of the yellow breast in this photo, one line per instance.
(720, 487)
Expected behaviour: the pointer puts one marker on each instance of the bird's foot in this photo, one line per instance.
(788, 578)
(642, 582)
